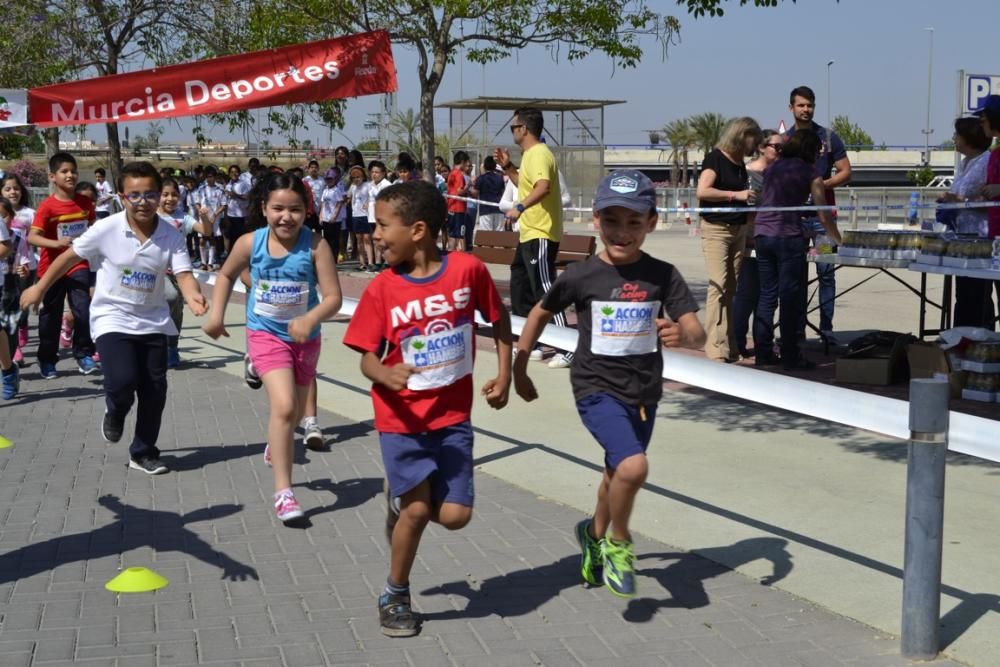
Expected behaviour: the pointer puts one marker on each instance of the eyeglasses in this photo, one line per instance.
(514, 127)
(774, 146)
(136, 198)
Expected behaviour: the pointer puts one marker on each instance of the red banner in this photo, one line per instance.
(333, 68)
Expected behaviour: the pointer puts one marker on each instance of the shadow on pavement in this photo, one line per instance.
(514, 594)
(132, 528)
(966, 614)
(35, 392)
(685, 577)
(201, 457)
(343, 432)
(350, 493)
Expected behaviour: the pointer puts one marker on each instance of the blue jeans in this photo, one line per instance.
(745, 303)
(781, 264)
(827, 285)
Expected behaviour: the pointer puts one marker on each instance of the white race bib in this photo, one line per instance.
(281, 300)
(440, 358)
(71, 230)
(134, 286)
(623, 328)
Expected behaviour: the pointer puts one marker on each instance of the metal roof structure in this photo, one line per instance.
(513, 103)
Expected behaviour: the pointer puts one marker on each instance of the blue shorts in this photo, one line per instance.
(444, 457)
(622, 430)
(456, 225)
(359, 224)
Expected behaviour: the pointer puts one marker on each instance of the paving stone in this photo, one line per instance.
(246, 590)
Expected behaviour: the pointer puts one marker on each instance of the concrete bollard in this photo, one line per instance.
(924, 518)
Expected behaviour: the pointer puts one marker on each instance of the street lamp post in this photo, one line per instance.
(829, 118)
(927, 123)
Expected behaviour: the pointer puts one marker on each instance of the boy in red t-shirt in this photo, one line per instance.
(415, 327)
(458, 185)
(62, 217)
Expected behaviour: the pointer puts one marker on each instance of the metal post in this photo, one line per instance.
(927, 123)
(924, 518)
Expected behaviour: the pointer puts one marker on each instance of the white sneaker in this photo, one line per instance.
(559, 361)
(312, 433)
(536, 355)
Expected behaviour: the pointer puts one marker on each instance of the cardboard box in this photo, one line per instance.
(927, 360)
(877, 367)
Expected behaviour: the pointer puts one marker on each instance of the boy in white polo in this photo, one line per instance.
(129, 316)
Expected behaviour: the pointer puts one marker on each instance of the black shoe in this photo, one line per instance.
(762, 359)
(112, 428)
(799, 364)
(396, 616)
(147, 464)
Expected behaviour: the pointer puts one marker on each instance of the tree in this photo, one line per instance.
(679, 135)
(31, 54)
(405, 128)
(851, 134)
(706, 129)
(106, 36)
(153, 133)
(485, 30)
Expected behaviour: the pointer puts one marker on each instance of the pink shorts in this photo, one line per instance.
(268, 353)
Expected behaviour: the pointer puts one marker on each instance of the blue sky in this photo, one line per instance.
(745, 64)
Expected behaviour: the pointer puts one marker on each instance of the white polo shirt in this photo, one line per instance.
(128, 296)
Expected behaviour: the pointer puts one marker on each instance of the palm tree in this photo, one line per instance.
(707, 128)
(680, 137)
(405, 126)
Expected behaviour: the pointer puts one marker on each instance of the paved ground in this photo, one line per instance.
(246, 590)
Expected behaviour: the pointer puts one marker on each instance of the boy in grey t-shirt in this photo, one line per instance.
(629, 305)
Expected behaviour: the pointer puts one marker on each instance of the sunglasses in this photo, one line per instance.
(774, 146)
(514, 127)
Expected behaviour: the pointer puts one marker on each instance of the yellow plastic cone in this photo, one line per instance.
(136, 580)
(5, 443)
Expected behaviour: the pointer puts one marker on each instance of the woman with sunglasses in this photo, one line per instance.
(781, 248)
(747, 284)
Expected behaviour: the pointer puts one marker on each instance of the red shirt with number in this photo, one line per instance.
(430, 324)
(59, 218)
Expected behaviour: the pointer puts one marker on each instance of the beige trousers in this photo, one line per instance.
(723, 247)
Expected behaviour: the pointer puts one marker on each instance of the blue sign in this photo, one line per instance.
(976, 88)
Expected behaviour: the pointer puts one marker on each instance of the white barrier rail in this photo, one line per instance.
(967, 434)
(784, 209)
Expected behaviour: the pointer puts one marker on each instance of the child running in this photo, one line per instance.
(169, 210)
(62, 217)
(284, 313)
(628, 305)
(414, 326)
(132, 251)
(10, 309)
(13, 190)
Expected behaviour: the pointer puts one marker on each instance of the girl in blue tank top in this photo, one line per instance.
(287, 263)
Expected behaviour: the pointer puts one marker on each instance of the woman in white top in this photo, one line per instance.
(973, 297)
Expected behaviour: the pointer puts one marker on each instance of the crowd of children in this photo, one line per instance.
(414, 326)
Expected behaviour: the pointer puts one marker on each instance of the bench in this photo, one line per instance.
(499, 248)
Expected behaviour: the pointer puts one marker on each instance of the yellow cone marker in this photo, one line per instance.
(5, 443)
(136, 580)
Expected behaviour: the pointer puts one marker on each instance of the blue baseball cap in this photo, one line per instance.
(991, 104)
(628, 188)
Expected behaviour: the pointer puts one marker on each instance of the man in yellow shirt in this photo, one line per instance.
(539, 217)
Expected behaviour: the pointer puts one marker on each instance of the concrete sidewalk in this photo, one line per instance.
(246, 590)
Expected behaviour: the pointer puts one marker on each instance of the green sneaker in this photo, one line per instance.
(591, 561)
(619, 573)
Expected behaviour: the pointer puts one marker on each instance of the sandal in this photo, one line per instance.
(396, 616)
